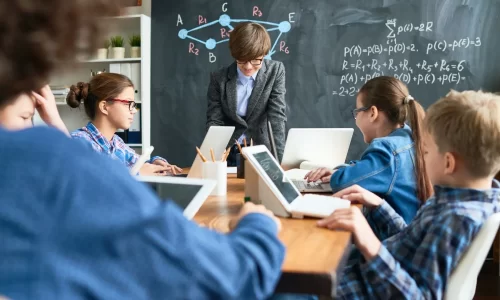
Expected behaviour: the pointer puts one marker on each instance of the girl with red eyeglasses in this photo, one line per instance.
(108, 100)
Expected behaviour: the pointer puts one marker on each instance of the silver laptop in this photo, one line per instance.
(188, 194)
(315, 147)
(302, 185)
(217, 138)
(312, 187)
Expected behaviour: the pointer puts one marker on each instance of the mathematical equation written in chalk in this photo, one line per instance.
(364, 62)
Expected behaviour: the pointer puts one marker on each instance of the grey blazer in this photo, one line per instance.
(267, 102)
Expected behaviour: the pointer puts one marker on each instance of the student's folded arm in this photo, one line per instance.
(372, 171)
(432, 264)
(114, 224)
(215, 115)
(276, 107)
(386, 219)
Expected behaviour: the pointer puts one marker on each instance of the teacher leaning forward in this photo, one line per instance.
(249, 92)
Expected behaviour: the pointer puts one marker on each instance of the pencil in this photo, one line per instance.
(251, 142)
(212, 154)
(239, 146)
(223, 155)
(201, 155)
(227, 154)
(245, 141)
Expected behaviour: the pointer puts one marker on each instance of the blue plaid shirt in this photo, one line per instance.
(116, 148)
(416, 261)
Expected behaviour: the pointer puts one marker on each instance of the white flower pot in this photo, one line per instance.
(102, 53)
(118, 52)
(135, 52)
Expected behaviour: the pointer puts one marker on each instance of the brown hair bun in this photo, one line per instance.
(77, 94)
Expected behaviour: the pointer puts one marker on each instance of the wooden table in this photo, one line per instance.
(314, 257)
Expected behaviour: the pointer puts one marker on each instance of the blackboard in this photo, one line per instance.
(329, 49)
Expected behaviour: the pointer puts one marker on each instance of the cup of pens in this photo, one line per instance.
(215, 170)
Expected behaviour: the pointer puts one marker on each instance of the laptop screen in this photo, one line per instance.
(277, 176)
(181, 194)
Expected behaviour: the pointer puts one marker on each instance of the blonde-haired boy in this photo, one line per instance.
(462, 155)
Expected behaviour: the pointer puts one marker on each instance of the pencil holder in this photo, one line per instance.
(240, 166)
(216, 171)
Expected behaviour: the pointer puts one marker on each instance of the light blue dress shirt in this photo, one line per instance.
(244, 87)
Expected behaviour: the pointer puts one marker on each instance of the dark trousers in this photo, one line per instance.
(233, 159)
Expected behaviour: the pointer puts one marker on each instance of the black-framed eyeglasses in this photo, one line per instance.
(131, 104)
(253, 62)
(357, 110)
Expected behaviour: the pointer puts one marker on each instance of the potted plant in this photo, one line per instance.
(135, 45)
(102, 53)
(117, 47)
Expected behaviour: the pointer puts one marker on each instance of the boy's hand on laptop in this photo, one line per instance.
(153, 170)
(250, 208)
(323, 174)
(172, 169)
(352, 219)
(357, 194)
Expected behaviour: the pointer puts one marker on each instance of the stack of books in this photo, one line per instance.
(60, 92)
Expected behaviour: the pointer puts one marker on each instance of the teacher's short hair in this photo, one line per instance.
(249, 41)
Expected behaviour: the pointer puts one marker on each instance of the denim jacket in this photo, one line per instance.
(386, 168)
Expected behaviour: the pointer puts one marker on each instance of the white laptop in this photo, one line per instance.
(217, 138)
(310, 148)
(285, 192)
(146, 154)
(188, 194)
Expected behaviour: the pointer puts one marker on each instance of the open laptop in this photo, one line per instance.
(311, 148)
(188, 194)
(302, 185)
(217, 138)
(296, 204)
(146, 154)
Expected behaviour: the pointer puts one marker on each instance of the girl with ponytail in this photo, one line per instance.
(392, 166)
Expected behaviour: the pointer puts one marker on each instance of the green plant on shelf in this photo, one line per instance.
(106, 44)
(117, 41)
(135, 40)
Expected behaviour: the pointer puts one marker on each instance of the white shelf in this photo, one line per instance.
(112, 60)
(125, 26)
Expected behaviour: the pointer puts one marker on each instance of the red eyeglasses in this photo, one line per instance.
(131, 104)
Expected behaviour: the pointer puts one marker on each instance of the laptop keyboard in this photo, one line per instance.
(304, 185)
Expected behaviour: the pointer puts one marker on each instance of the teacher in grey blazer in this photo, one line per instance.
(250, 92)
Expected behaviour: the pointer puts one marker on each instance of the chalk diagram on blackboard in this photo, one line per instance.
(225, 21)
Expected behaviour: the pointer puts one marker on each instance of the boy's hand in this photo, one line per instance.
(352, 219)
(250, 208)
(357, 194)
